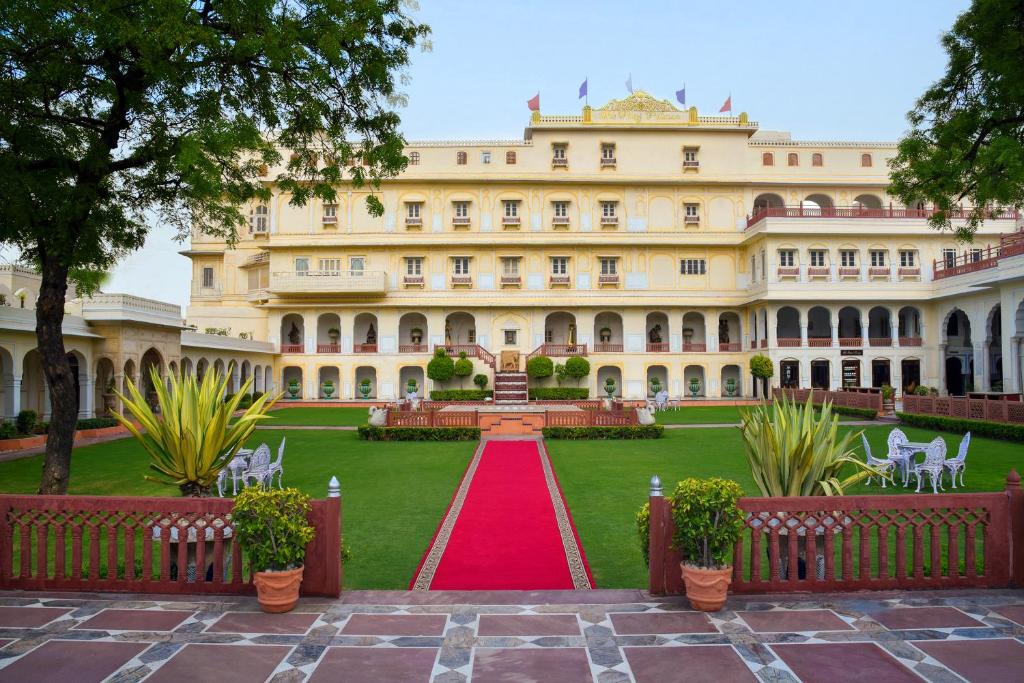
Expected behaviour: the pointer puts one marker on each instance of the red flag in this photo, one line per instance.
(534, 103)
(727, 106)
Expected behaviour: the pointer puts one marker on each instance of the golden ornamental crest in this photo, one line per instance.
(639, 101)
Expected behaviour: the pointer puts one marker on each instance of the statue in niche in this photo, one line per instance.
(723, 331)
(371, 335)
(447, 334)
(294, 336)
(654, 335)
(572, 334)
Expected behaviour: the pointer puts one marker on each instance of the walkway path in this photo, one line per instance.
(507, 527)
(557, 636)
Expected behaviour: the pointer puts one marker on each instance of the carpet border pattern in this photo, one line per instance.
(573, 555)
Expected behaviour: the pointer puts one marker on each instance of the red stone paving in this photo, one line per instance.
(375, 665)
(627, 623)
(794, 620)
(223, 663)
(61, 661)
(29, 617)
(846, 662)
(1011, 612)
(536, 665)
(295, 623)
(924, 617)
(1000, 659)
(395, 625)
(693, 664)
(528, 625)
(135, 620)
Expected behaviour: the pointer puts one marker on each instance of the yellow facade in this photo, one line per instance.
(624, 229)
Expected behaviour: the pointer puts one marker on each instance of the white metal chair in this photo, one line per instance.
(933, 465)
(899, 457)
(883, 465)
(661, 400)
(959, 464)
(259, 466)
(277, 467)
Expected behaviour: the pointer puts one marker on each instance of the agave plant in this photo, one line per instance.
(193, 438)
(794, 452)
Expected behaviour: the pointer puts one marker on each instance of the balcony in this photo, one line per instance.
(691, 164)
(789, 342)
(609, 221)
(657, 347)
(329, 220)
(694, 348)
(511, 281)
(327, 282)
(607, 347)
(460, 222)
(410, 281)
(560, 222)
(730, 347)
(908, 273)
(849, 272)
(559, 162)
(292, 348)
(851, 342)
(364, 348)
(819, 342)
(462, 280)
(199, 290)
(608, 162)
(818, 273)
(413, 348)
(559, 281)
(879, 272)
(691, 220)
(257, 296)
(910, 341)
(860, 212)
(981, 259)
(558, 350)
(511, 222)
(788, 272)
(880, 341)
(608, 280)
(413, 223)
(328, 348)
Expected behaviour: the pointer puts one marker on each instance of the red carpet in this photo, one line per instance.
(502, 529)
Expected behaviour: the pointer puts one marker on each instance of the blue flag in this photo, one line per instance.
(583, 88)
(681, 95)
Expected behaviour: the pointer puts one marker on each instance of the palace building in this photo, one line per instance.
(656, 242)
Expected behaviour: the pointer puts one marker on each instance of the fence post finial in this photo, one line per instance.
(334, 488)
(655, 486)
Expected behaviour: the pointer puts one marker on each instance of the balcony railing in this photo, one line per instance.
(257, 296)
(788, 271)
(329, 220)
(980, 259)
(460, 221)
(511, 221)
(558, 350)
(412, 280)
(364, 348)
(462, 280)
(560, 222)
(818, 271)
(880, 341)
(413, 222)
(328, 348)
(910, 341)
(864, 212)
(819, 342)
(412, 348)
(694, 347)
(292, 348)
(609, 220)
(851, 342)
(730, 347)
(607, 347)
(559, 162)
(511, 281)
(879, 271)
(849, 271)
(607, 161)
(789, 342)
(608, 279)
(693, 163)
(691, 220)
(657, 347)
(323, 282)
(908, 272)
(559, 280)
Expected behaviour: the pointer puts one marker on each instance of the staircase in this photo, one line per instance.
(510, 388)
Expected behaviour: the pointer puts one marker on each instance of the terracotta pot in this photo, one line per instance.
(278, 591)
(706, 588)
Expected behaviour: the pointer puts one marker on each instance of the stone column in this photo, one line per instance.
(894, 328)
(773, 328)
(835, 329)
(85, 403)
(864, 332)
(942, 369)
(803, 334)
(12, 387)
(979, 353)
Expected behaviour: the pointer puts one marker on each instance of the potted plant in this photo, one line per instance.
(888, 396)
(109, 397)
(328, 388)
(273, 528)
(605, 335)
(364, 387)
(730, 386)
(708, 523)
(411, 387)
(334, 334)
(609, 386)
(694, 386)
(655, 385)
(416, 336)
(293, 388)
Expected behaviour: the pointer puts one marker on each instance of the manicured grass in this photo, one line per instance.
(699, 415)
(606, 483)
(393, 495)
(317, 417)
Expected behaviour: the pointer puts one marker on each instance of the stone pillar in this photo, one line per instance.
(773, 328)
(1012, 379)
(47, 408)
(979, 353)
(835, 331)
(942, 369)
(864, 332)
(894, 329)
(87, 398)
(803, 334)
(12, 386)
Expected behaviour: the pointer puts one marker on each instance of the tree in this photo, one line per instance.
(441, 367)
(463, 368)
(480, 381)
(177, 108)
(967, 141)
(539, 367)
(761, 367)
(577, 367)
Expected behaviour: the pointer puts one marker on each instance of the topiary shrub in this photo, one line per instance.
(26, 421)
(540, 367)
(577, 367)
(480, 381)
(441, 367)
(463, 367)
(761, 367)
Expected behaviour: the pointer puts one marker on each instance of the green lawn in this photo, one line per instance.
(699, 415)
(318, 417)
(605, 483)
(393, 495)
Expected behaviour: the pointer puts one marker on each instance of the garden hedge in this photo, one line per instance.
(604, 433)
(96, 423)
(863, 413)
(992, 430)
(370, 433)
(558, 394)
(461, 394)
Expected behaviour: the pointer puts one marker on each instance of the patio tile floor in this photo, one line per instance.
(447, 637)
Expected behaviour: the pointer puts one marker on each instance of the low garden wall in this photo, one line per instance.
(966, 408)
(550, 418)
(862, 542)
(39, 440)
(146, 545)
(861, 400)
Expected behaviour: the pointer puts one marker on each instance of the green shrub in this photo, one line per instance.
(708, 521)
(272, 527)
(463, 367)
(540, 367)
(245, 401)
(577, 367)
(761, 367)
(8, 430)
(370, 433)
(460, 394)
(558, 394)
(922, 391)
(643, 530)
(228, 397)
(630, 432)
(256, 395)
(992, 430)
(480, 381)
(441, 367)
(26, 421)
(887, 392)
(863, 413)
(96, 423)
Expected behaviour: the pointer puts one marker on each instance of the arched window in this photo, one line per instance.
(794, 159)
(865, 160)
(510, 158)
(460, 158)
(414, 158)
(817, 159)
(767, 159)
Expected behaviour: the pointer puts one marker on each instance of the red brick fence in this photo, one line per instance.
(549, 418)
(865, 398)
(907, 541)
(133, 544)
(966, 408)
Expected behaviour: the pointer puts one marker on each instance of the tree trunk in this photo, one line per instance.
(57, 370)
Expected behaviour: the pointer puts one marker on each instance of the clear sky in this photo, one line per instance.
(820, 69)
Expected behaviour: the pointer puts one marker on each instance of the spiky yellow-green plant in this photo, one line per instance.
(193, 438)
(794, 452)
